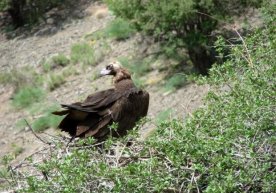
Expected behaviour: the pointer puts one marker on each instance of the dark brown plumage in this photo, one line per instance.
(124, 104)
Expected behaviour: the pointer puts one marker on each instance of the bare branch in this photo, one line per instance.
(39, 138)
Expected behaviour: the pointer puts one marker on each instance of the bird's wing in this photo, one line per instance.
(144, 100)
(92, 117)
(125, 110)
(133, 103)
(96, 107)
(97, 97)
(96, 101)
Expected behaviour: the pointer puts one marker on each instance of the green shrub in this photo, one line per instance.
(55, 80)
(19, 78)
(82, 53)
(119, 29)
(47, 119)
(27, 96)
(175, 82)
(56, 61)
(46, 66)
(136, 66)
(60, 60)
(45, 122)
(181, 24)
(163, 115)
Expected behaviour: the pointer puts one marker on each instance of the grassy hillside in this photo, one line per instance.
(226, 146)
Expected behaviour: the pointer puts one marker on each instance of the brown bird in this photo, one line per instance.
(124, 104)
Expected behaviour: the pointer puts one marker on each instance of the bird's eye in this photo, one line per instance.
(109, 67)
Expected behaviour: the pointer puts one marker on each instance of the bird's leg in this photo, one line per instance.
(72, 138)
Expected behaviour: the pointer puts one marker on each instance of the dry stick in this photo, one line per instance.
(232, 45)
(12, 175)
(120, 155)
(53, 136)
(246, 49)
(194, 178)
(39, 138)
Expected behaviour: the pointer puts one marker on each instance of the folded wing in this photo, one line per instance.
(93, 116)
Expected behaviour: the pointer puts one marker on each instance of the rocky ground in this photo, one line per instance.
(51, 38)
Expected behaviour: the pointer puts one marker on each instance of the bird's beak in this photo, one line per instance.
(105, 72)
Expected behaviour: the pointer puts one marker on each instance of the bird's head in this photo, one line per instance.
(115, 69)
(111, 69)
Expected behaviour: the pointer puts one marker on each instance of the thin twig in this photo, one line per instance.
(39, 138)
(86, 146)
(246, 49)
(128, 157)
(196, 183)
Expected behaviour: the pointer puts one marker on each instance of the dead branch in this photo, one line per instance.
(39, 138)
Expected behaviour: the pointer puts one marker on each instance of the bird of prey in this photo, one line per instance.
(123, 104)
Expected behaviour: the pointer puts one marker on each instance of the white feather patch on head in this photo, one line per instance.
(116, 64)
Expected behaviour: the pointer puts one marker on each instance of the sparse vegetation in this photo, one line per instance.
(46, 66)
(119, 29)
(174, 82)
(27, 96)
(18, 78)
(60, 60)
(55, 80)
(163, 115)
(82, 53)
(16, 150)
(46, 120)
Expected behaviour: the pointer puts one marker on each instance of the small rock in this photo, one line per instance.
(46, 31)
(50, 21)
(78, 14)
(101, 13)
(53, 30)
(26, 128)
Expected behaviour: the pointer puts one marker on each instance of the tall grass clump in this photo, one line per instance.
(46, 120)
(55, 80)
(27, 96)
(18, 78)
(82, 53)
(60, 60)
